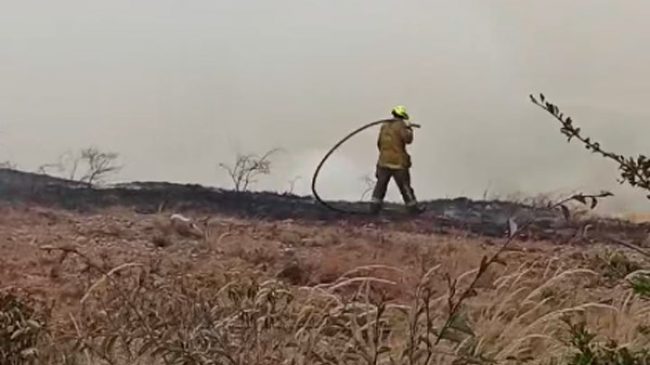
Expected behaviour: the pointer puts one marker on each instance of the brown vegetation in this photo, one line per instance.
(81, 289)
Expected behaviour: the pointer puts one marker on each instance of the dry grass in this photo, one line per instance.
(367, 297)
(241, 317)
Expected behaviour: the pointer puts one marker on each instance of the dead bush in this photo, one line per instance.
(247, 168)
(98, 166)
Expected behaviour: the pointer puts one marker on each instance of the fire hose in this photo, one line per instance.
(329, 153)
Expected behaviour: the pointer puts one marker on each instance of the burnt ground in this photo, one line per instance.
(482, 218)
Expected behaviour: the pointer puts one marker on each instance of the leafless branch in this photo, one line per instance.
(247, 168)
(100, 164)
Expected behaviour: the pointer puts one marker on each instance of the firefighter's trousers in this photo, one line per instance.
(402, 178)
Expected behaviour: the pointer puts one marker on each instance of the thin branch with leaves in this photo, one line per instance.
(634, 170)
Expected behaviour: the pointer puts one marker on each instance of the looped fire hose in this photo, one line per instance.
(336, 146)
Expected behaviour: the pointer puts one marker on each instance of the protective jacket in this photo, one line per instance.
(394, 135)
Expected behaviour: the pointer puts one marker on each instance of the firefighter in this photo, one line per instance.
(394, 162)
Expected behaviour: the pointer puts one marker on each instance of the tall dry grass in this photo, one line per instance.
(133, 314)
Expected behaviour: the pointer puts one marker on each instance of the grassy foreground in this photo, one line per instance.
(272, 293)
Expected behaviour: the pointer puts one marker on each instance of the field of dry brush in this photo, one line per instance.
(119, 287)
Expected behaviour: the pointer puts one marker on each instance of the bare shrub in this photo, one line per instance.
(247, 168)
(98, 166)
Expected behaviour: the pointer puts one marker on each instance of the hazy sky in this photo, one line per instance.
(178, 86)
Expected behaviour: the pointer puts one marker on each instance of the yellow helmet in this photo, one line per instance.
(400, 112)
